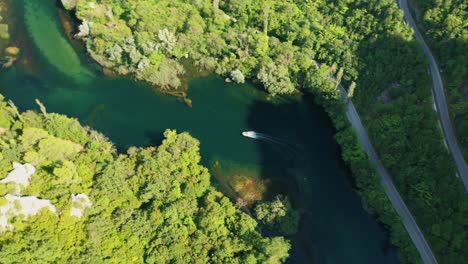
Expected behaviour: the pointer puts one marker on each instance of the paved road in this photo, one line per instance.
(440, 100)
(400, 207)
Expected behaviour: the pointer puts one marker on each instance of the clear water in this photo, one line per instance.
(334, 226)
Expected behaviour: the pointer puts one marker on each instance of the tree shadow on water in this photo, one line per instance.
(303, 156)
(283, 147)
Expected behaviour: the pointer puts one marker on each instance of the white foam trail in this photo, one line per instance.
(265, 137)
(256, 135)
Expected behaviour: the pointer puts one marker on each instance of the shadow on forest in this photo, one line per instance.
(405, 133)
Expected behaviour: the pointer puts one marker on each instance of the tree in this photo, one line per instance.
(276, 251)
(351, 89)
(14, 109)
(278, 214)
(237, 76)
(151, 204)
(42, 107)
(215, 7)
(339, 75)
(275, 79)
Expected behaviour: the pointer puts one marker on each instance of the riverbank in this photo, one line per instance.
(368, 183)
(379, 56)
(131, 113)
(109, 104)
(147, 197)
(70, 23)
(254, 65)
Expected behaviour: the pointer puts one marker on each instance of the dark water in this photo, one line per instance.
(334, 227)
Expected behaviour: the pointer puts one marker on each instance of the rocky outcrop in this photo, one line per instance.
(80, 202)
(19, 176)
(26, 206)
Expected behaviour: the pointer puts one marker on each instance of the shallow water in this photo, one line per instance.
(334, 226)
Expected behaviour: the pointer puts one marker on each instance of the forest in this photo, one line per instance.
(279, 45)
(445, 25)
(148, 205)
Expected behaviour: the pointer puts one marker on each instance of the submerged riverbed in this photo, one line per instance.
(334, 227)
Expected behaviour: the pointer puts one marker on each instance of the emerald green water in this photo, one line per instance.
(334, 227)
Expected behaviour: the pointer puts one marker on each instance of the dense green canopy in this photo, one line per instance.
(445, 24)
(277, 44)
(273, 42)
(279, 215)
(149, 205)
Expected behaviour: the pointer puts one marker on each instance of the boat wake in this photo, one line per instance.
(261, 136)
(295, 150)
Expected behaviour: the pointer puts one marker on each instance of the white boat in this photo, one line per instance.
(296, 150)
(250, 134)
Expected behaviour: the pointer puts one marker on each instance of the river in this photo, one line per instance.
(334, 227)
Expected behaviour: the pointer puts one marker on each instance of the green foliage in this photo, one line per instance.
(52, 149)
(406, 135)
(5, 119)
(268, 41)
(31, 136)
(66, 128)
(445, 25)
(278, 214)
(277, 44)
(275, 79)
(3, 200)
(151, 205)
(69, 4)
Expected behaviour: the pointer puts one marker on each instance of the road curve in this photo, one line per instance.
(440, 100)
(400, 207)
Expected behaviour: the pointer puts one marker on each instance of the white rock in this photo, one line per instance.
(84, 29)
(25, 206)
(80, 202)
(20, 175)
(237, 76)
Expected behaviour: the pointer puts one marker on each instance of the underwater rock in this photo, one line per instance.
(4, 32)
(12, 51)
